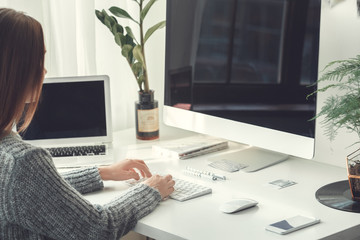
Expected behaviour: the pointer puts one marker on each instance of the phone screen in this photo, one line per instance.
(291, 224)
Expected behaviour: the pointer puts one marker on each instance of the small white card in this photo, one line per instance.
(281, 183)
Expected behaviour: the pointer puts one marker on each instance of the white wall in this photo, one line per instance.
(33, 7)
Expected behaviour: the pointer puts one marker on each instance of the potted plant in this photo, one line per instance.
(343, 110)
(133, 49)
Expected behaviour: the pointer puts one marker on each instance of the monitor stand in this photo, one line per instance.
(254, 158)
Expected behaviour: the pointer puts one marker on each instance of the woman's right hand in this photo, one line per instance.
(164, 184)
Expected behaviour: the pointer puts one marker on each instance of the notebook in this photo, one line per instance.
(73, 114)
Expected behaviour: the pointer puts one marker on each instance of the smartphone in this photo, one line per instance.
(291, 224)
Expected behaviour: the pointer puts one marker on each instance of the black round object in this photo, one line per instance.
(338, 195)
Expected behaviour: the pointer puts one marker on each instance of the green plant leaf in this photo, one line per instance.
(141, 80)
(129, 40)
(119, 12)
(104, 13)
(341, 110)
(122, 40)
(117, 28)
(137, 68)
(118, 36)
(107, 22)
(146, 9)
(113, 20)
(130, 33)
(151, 30)
(100, 16)
(137, 52)
(126, 50)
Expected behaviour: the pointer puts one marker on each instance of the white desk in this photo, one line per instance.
(200, 218)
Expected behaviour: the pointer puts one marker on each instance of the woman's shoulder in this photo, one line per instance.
(12, 143)
(13, 147)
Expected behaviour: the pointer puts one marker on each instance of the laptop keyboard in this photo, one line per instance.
(77, 151)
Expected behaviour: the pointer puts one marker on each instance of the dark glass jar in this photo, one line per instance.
(353, 167)
(147, 116)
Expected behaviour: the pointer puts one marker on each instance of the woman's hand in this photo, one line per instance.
(125, 170)
(164, 184)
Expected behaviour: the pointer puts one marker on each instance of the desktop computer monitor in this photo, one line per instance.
(241, 70)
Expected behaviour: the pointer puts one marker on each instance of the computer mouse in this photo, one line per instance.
(236, 205)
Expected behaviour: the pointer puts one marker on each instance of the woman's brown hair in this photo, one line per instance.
(22, 53)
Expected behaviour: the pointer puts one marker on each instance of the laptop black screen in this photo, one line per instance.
(69, 110)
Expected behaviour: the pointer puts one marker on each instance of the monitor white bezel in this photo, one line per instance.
(266, 138)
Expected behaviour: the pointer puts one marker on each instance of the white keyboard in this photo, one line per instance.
(184, 190)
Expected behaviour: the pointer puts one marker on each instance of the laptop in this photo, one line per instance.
(73, 121)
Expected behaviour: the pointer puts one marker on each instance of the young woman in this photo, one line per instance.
(35, 201)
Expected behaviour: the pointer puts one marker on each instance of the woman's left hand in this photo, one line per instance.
(125, 170)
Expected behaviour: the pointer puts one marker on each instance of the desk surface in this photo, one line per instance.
(200, 218)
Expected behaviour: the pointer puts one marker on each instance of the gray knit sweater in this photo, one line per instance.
(38, 203)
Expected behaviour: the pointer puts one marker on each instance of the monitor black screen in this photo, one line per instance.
(250, 61)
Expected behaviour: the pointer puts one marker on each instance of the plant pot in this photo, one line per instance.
(353, 167)
(147, 116)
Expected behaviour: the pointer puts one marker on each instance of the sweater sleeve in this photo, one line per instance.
(43, 202)
(84, 180)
